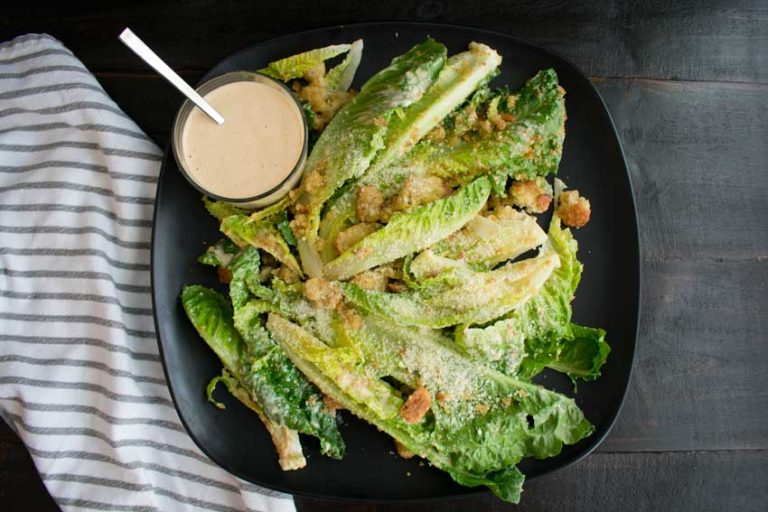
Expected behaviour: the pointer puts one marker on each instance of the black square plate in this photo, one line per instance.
(608, 296)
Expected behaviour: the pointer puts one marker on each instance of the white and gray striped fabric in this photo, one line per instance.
(80, 377)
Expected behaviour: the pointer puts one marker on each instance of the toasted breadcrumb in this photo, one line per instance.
(397, 287)
(299, 224)
(485, 127)
(416, 406)
(322, 293)
(573, 209)
(442, 400)
(534, 196)
(353, 234)
(437, 134)
(368, 204)
(350, 317)
(331, 404)
(225, 275)
(313, 181)
(324, 101)
(402, 450)
(287, 275)
(418, 190)
(371, 280)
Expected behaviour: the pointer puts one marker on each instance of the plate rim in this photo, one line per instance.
(595, 440)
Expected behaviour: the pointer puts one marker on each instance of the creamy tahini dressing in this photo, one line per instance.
(258, 145)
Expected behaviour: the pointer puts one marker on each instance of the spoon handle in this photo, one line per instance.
(133, 42)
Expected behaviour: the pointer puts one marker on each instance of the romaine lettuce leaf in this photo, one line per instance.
(286, 440)
(480, 423)
(340, 76)
(251, 356)
(357, 133)
(211, 315)
(459, 295)
(529, 145)
(490, 239)
(261, 234)
(579, 354)
(411, 231)
(222, 210)
(219, 254)
(296, 65)
(536, 335)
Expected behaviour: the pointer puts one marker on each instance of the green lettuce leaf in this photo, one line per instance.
(491, 239)
(286, 440)
(340, 76)
(211, 315)
(261, 234)
(222, 210)
(411, 231)
(530, 145)
(480, 424)
(250, 355)
(539, 333)
(284, 393)
(296, 65)
(219, 254)
(459, 295)
(357, 133)
(579, 354)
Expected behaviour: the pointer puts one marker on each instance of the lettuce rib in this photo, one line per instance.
(530, 145)
(460, 296)
(411, 231)
(540, 333)
(480, 424)
(357, 133)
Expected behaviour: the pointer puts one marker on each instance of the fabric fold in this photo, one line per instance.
(81, 381)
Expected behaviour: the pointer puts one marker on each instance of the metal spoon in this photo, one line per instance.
(133, 42)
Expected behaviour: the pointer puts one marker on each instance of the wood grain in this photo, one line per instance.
(697, 157)
(687, 86)
(700, 481)
(709, 40)
(701, 366)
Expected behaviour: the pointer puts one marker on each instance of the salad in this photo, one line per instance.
(406, 279)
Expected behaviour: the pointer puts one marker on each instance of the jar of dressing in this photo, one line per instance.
(257, 155)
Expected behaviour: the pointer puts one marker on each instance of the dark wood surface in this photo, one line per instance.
(687, 85)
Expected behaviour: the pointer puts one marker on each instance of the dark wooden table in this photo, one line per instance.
(687, 85)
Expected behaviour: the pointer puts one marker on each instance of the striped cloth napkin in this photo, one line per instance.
(80, 377)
